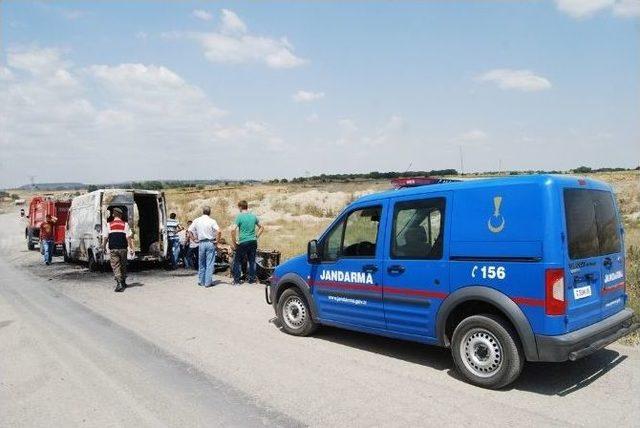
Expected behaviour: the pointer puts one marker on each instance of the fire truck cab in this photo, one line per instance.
(39, 207)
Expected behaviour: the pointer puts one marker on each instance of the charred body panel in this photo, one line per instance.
(144, 211)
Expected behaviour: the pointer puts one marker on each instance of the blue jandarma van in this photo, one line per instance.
(500, 270)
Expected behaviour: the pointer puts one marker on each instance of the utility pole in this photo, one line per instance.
(32, 179)
(461, 162)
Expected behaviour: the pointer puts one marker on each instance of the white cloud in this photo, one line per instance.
(233, 44)
(202, 14)
(627, 8)
(36, 60)
(142, 35)
(141, 111)
(521, 80)
(347, 125)
(587, 8)
(306, 96)
(387, 133)
(73, 14)
(5, 74)
(473, 135)
(312, 118)
(231, 23)
(582, 8)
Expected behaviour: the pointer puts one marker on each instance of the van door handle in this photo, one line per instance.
(395, 269)
(370, 268)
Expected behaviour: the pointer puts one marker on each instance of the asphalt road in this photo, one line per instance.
(168, 353)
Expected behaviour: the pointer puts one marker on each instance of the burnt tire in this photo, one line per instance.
(30, 245)
(93, 264)
(486, 351)
(294, 314)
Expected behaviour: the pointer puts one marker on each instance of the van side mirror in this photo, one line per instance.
(313, 255)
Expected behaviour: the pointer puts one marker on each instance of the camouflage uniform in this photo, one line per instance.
(118, 234)
(118, 260)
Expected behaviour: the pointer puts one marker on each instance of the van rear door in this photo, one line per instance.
(595, 259)
(162, 215)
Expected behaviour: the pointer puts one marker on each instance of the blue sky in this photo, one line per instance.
(263, 89)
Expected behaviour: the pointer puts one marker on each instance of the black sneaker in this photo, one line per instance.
(237, 282)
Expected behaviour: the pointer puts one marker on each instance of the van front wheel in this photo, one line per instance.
(486, 351)
(294, 313)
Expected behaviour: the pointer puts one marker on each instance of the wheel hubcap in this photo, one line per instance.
(481, 352)
(295, 312)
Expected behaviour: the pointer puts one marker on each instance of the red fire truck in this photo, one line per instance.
(39, 207)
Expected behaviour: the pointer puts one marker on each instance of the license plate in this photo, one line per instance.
(582, 292)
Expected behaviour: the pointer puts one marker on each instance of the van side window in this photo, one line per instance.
(418, 228)
(356, 236)
(333, 242)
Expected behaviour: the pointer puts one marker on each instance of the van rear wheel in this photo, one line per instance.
(294, 313)
(486, 351)
(93, 263)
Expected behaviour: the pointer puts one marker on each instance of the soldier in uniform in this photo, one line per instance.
(118, 236)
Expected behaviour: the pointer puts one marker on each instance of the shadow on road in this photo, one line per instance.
(559, 379)
(135, 284)
(417, 353)
(565, 378)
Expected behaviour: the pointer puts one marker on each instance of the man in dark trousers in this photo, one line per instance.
(245, 241)
(118, 236)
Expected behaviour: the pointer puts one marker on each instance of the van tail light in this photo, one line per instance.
(554, 302)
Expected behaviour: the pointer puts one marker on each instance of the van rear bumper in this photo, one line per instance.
(586, 341)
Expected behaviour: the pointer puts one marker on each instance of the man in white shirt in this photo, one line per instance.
(205, 231)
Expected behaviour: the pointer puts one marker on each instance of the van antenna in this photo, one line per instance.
(408, 168)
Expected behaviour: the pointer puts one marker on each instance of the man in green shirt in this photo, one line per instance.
(245, 236)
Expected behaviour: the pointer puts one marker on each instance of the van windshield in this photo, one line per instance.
(592, 224)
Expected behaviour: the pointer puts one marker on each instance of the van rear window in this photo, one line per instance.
(592, 224)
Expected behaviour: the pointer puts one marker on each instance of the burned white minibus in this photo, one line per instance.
(145, 211)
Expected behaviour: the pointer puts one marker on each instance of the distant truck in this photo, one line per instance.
(39, 207)
(145, 211)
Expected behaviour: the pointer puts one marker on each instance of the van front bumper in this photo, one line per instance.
(586, 341)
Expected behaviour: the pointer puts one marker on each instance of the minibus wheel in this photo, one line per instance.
(294, 314)
(93, 263)
(486, 351)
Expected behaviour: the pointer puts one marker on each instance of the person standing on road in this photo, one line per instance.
(205, 231)
(191, 255)
(173, 227)
(245, 241)
(182, 239)
(47, 231)
(118, 236)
